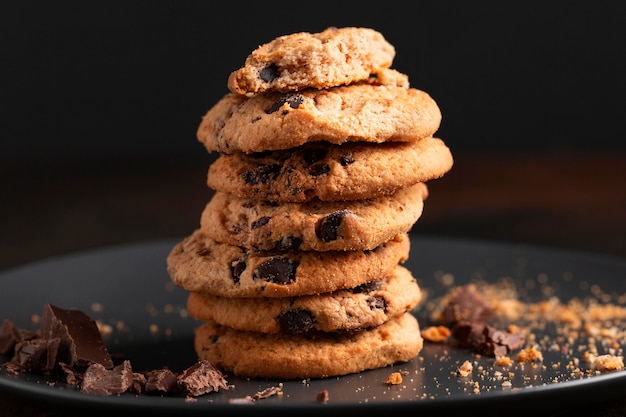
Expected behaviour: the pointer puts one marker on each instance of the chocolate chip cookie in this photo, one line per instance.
(313, 225)
(355, 113)
(350, 171)
(200, 264)
(335, 56)
(309, 355)
(361, 307)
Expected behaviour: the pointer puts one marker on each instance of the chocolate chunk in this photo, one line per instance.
(10, 335)
(261, 174)
(260, 222)
(346, 159)
(237, 268)
(279, 270)
(376, 303)
(39, 355)
(296, 321)
(467, 304)
(269, 73)
(368, 287)
(294, 100)
(81, 343)
(319, 169)
(327, 228)
(313, 155)
(99, 380)
(139, 383)
(288, 243)
(161, 380)
(202, 378)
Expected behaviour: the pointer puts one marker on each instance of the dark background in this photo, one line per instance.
(101, 101)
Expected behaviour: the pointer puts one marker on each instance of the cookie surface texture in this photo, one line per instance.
(352, 171)
(365, 306)
(200, 264)
(333, 57)
(354, 113)
(317, 355)
(315, 225)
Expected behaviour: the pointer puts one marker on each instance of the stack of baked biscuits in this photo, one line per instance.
(296, 268)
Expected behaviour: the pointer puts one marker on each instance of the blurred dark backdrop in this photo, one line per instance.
(110, 79)
(101, 101)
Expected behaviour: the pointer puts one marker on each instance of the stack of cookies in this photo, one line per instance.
(296, 268)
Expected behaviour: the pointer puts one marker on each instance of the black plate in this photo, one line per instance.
(128, 288)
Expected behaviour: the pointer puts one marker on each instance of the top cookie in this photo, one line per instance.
(335, 56)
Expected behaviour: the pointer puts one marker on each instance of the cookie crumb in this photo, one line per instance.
(436, 334)
(605, 363)
(530, 354)
(322, 396)
(394, 378)
(465, 369)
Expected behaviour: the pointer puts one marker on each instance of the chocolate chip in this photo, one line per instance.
(237, 268)
(279, 270)
(269, 73)
(368, 287)
(296, 321)
(327, 227)
(319, 169)
(261, 174)
(293, 99)
(260, 222)
(314, 155)
(376, 303)
(288, 243)
(346, 159)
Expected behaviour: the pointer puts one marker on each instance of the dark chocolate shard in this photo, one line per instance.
(467, 304)
(161, 380)
(269, 73)
(81, 343)
(10, 335)
(99, 380)
(279, 270)
(296, 321)
(38, 355)
(327, 228)
(202, 378)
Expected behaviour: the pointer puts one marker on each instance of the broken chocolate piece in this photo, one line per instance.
(10, 335)
(39, 355)
(202, 378)
(467, 304)
(99, 380)
(81, 343)
(161, 380)
(279, 270)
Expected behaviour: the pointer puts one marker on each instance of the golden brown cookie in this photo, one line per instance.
(350, 171)
(311, 355)
(200, 264)
(355, 113)
(313, 225)
(335, 56)
(361, 307)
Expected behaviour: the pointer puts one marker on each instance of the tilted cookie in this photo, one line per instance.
(310, 355)
(335, 56)
(351, 171)
(367, 305)
(313, 225)
(200, 264)
(355, 113)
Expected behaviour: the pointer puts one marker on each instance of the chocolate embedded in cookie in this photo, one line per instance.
(333, 57)
(355, 113)
(352, 171)
(361, 307)
(200, 264)
(310, 355)
(314, 225)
